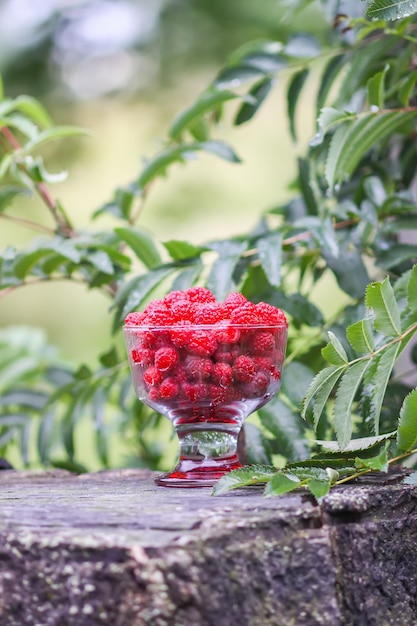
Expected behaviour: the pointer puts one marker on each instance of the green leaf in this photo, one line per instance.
(360, 336)
(349, 268)
(233, 77)
(302, 45)
(258, 94)
(407, 88)
(391, 9)
(334, 352)
(328, 118)
(243, 477)
(220, 279)
(376, 88)
(381, 298)
(407, 425)
(258, 448)
(206, 102)
(220, 149)
(294, 89)
(319, 488)
(345, 396)
(356, 445)
(142, 244)
(287, 428)
(187, 277)
(412, 290)
(295, 380)
(33, 109)
(375, 388)
(180, 250)
(328, 78)
(9, 192)
(281, 483)
(101, 261)
(57, 132)
(270, 255)
(353, 140)
(378, 462)
(319, 391)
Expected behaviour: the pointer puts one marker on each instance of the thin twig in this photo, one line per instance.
(28, 223)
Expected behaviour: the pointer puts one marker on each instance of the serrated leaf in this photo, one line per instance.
(407, 88)
(205, 103)
(258, 447)
(232, 77)
(220, 149)
(375, 88)
(353, 140)
(57, 132)
(349, 269)
(187, 277)
(287, 428)
(329, 117)
(356, 445)
(33, 109)
(101, 261)
(258, 94)
(302, 45)
(243, 477)
(320, 389)
(407, 425)
(142, 244)
(281, 483)
(391, 9)
(334, 352)
(294, 89)
(378, 462)
(270, 256)
(24, 397)
(361, 337)
(328, 78)
(380, 298)
(345, 396)
(375, 388)
(319, 488)
(412, 290)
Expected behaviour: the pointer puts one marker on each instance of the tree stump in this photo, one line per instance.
(112, 548)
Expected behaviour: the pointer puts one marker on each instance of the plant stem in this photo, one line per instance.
(346, 479)
(28, 223)
(107, 289)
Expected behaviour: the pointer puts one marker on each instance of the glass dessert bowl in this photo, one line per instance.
(206, 378)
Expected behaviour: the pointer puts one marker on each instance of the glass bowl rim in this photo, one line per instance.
(218, 326)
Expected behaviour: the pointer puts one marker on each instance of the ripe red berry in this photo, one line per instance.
(166, 358)
(245, 314)
(222, 374)
(168, 389)
(234, 300)
(226, 333)
(175, 296)
(152, 376)
(257, 387)
(143, 356)
(183, 310)
(194, 391)
(134, 319)
(216, 393)
(268, 314)
(200, 294)
(210, 313)
(243, 369)
(262, 343)
(197, 367)
(202, 343)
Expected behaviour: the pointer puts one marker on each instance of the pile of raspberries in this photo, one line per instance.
(188, 347)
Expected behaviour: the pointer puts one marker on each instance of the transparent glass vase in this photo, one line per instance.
(206, 379)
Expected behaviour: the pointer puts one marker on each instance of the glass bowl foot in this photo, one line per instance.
(198, 473)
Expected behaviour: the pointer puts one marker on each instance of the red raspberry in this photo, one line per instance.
(154, 394)
(202, 343)
(152, 376)
(257, 387)
(183, 310)
(232, 394)
(194, 391)
(198, 368)
(222, 374)
(234, 300)
(226, 333)
(243, 369)
(217, 394)
(134, 319)
(174, 296)
(245, 314)
(168, 389)
(226, 354)
(269, 314)
(200, 294)
(166, 358)
(264, 363)
(276, 374)
(210, 313)
(159, 316)
(143, 356)
(262, 342)
(180, 335)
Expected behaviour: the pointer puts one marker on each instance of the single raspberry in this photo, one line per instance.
(262, 343)
(194, 391)
(152, 376)
(216, 394)
(166, 358)
(143, 356)
(257, 387)
(134, 319)
(168, 389)
(243, 369)
(174, 296)
(153, 394)
(276, 374)
(245, 314)
(202, 343)
(269, 314)
(200, 294)
(183, 310)
(159, 316)
(179, 334)
(226, 354)
(263, 363)
(197, 368)
(226, 333)
(222, 374)
(234, 300)
(232, 394)
(210, 313)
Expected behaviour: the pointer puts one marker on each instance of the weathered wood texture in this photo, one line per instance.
(112, 548)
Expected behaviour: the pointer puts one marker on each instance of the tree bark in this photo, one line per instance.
(112, 548)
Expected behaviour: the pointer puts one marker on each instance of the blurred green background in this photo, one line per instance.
(123, 69)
